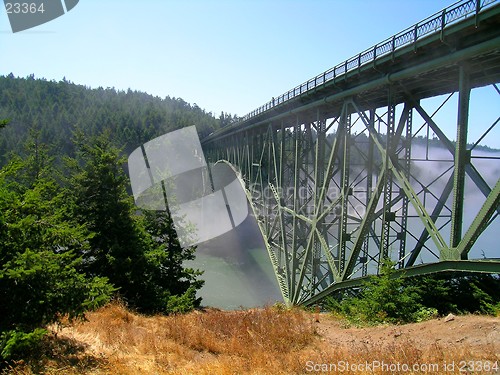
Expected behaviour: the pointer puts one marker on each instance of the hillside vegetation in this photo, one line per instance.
(70, 235)
(273, 340)
(58, 109)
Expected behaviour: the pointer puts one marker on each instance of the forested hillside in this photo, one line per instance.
(58, 109)
(70, 235)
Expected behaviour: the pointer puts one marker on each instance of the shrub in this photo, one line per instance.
(183, 303)
(459, 293)
(387, 298)
(15, 344)
(382, 299)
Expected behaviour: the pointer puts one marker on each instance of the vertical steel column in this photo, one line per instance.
(279, 237)
(268, 147)
(254, 154)
(308, 161)
(388, 215)
(248, 161)
(308, 158)
(251, 160)
(343, 236)
(404, 209)
(318, 194)
(236, 146)
(231, 148)
(282, 191)
(282, 157)
(259, 147)
(296, 206)
(369, 188)
(461, 158)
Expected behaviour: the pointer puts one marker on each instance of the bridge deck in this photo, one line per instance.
(332, 177)
(426, 67)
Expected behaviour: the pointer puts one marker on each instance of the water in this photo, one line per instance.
(238, 272)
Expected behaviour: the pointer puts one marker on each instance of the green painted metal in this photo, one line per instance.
(460, 157)
(392, 167)
(388, 215)
(406, 123)
(480, 223)
(469, 168)
(393, 77)
(471, 266)
(344, 188)
(330, 169)
(364, 227)
(434, 216)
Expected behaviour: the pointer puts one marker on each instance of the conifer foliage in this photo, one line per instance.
(71, 239)
(40, 271)
(138, 252)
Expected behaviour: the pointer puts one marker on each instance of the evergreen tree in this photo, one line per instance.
(118, 242)
(40, 280)
(167, 260)
(145, 265)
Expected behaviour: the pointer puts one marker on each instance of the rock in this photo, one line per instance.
(449, 318)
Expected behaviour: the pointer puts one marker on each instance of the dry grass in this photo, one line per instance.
(258, 341)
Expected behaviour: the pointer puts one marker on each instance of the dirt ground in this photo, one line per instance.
(114, 340)
(473, 331)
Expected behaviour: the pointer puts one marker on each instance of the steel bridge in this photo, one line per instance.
(351, 167)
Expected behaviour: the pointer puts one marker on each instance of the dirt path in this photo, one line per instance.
(476, 332)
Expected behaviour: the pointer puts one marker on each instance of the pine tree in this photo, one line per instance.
(118, 243)
(168, 260)
(40, 277)
(143, 260)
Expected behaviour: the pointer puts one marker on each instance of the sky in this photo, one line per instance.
(223, 55)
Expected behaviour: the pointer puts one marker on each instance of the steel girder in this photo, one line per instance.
(332, 203)
(340, 171)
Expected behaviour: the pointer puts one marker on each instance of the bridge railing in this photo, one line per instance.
(436, 23)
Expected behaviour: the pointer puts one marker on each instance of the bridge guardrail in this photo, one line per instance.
(459, 11)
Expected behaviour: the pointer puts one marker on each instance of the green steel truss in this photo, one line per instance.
(345, 176)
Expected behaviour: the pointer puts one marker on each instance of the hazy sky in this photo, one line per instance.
(224, 55)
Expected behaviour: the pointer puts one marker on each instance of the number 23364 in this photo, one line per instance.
(24, 8)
